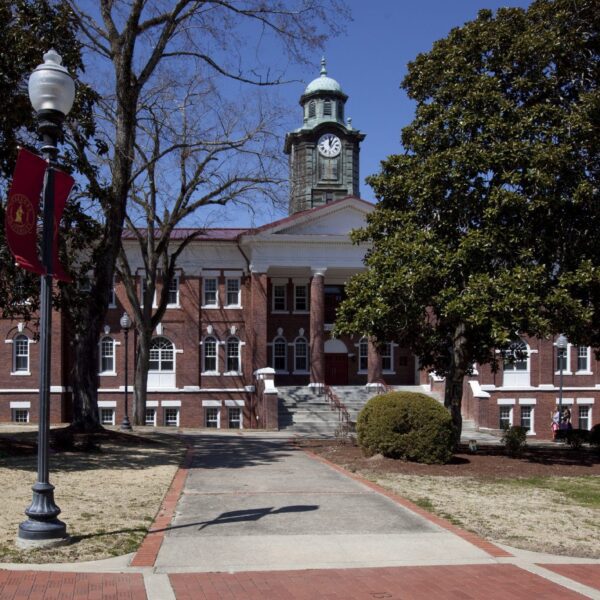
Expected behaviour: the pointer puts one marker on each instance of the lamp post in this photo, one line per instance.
(562, 344)
(51, 92)
(125, 325)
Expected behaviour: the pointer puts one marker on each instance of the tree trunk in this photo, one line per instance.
(459, 364)
(141, 378)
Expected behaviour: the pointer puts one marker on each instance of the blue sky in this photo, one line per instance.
(369, 62)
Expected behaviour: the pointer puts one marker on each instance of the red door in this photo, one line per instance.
(336, 369)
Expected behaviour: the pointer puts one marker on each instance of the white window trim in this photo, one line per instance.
(240, 361)
(113, 412)
(169, 407)
(299, 311)
(590, 416)
(153, 423)
(566, 371)
(218, 409)
(113, 294)
(587, 371)
(177, 304)
(175, 353)
(14, 358)
(229, 407)
(511, 417)
(362, 371)
(13, 414)
(112, 373)
(217, 343)
(238, 304)
(205, 278)
(306, 343)
(279, 311)
(532, 430)
(391, 371)
(285, 370)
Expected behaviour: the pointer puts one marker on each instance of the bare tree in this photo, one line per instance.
(207, 152)
(135, 47)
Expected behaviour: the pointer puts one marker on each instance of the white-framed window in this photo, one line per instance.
(112, 296)
(233, 355)
(517, 364)
(387, 358)
(212, 417)
(107, 355)
(363, 355)
(210, 355)
(107, 416)
(301, 297)
(150, 417)
(21, 354)
(20, 415)
(173, 293)
(585, 417)
(233, 290)
(506, 417)
(562, 359)
(301, 355)
(235, 417)
(162, 355)
(172, 417)
(210, 292)
(279, 298)
(527, 418)
(280, 354)
(583, 359)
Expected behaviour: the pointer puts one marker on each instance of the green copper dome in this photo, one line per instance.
(323, 83)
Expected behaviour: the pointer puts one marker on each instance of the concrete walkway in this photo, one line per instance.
(251, 516)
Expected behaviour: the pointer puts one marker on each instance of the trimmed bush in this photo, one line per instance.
(406, 425)
(514, 440)
(594, 438)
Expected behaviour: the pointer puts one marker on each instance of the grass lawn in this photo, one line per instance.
(108, 497)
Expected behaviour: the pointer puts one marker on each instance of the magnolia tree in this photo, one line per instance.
(485, 225)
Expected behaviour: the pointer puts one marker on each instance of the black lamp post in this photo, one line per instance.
(51, 91)
(562, 344)
(125, 325)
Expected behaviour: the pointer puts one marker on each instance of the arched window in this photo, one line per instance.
(107, 355)
(517, 364)
(210, 355)
(233, 355)
(363, 355)
(21, 354)
(327, 107)
(300, 354)
(312, 109)
(162, 355)
(279, 354)
(387, 357)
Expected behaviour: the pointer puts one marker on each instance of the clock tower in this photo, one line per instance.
(323, 153)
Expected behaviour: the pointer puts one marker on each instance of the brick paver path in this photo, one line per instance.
(57, 585)
(588, 574)
(465, 582)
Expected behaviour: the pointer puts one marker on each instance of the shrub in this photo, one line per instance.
(594, 436)
(576, 437)
(406, 425)
(514, 440)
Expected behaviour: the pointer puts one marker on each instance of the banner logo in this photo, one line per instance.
(20, 215)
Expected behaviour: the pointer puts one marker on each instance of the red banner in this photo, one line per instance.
(22, 210)
(63, 183)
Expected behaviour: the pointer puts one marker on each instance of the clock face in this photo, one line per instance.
(329, 145)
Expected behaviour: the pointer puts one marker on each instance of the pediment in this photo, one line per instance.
(336, 219)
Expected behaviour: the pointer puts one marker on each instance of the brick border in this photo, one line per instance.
(148, 551)
(470, 537)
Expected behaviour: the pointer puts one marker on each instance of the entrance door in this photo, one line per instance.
(336, 369)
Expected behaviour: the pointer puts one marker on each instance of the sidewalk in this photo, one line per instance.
(259, 518)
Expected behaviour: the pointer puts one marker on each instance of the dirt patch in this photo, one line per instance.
(546, 501)
(109, 495)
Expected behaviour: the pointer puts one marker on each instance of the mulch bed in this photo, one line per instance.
(489, 462)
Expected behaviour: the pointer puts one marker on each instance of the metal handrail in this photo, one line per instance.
(336, 403)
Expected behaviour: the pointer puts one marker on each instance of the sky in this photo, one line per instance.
(369, 62)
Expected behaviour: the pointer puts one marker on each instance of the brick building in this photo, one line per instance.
(251, 309)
